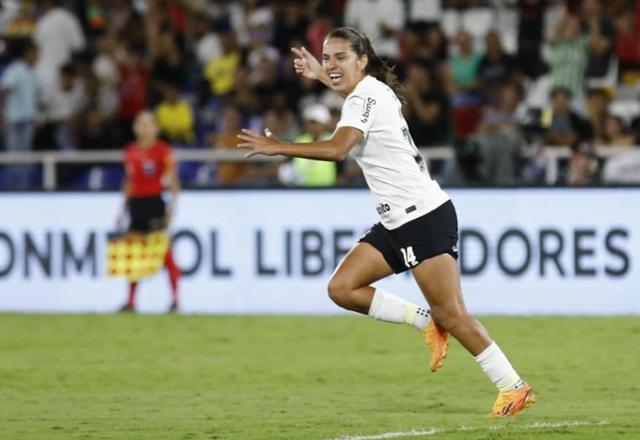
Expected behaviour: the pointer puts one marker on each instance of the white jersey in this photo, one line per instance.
(394, 170)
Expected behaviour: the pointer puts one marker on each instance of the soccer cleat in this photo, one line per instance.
(436, 339)
(510, 403)
(127, 308)
(173, 308)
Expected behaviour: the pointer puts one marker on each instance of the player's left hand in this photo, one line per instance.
(258, 144)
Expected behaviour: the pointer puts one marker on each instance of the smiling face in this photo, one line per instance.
(342, 64)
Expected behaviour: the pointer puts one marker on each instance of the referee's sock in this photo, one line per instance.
(388, 307)
(133, 285)
(174, 274)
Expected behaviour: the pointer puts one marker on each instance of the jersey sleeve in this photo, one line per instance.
(359, 111)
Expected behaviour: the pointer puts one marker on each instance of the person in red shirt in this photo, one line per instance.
(148, 161)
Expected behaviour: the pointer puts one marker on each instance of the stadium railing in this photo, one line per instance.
(49, 160)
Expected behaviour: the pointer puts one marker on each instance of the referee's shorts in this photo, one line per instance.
(425, 237)
(146, 214)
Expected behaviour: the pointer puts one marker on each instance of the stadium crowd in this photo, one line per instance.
(500, 81)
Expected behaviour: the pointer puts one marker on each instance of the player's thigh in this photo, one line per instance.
(363, 265)
(439, 280)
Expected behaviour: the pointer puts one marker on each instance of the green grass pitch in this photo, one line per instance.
(211, 377)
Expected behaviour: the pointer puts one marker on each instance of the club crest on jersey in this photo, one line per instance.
(367, 110)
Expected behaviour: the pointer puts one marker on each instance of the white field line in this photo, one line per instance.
(434, 431)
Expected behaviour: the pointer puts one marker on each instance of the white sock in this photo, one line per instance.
(496, 365)
(390, 308)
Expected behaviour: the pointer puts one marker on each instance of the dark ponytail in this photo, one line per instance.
(376, 67)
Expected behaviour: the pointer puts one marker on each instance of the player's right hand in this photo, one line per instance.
(306, 64)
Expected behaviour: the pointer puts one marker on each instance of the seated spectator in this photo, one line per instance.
(563, 126)
(583, 167)
(597, 104)
(174, 116)
(427, 108)
(616, 133)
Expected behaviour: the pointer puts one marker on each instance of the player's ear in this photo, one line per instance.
(362, 62)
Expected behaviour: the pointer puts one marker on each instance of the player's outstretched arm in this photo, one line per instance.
(307, 65)
(335, 149)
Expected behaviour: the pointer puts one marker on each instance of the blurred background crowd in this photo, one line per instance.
(498, 81)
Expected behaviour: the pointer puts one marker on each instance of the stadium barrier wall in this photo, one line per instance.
(523, 251)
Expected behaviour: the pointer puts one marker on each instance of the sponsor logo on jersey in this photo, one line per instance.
(383, 208)
(367, 110)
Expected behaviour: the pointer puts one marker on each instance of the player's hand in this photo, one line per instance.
(258, 144)
(306, 64)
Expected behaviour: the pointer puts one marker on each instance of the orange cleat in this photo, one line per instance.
(437, 341)
(510, 403)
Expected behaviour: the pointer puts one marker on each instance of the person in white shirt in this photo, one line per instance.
(58, 35)
(418, 229)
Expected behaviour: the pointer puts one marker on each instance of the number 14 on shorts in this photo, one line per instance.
(409, 256)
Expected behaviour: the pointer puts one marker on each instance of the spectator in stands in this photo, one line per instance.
(597, 104)
(229, 173)
(59, 36)
(167, 62)
(133, 88)
(427, 108)
(583, 166)
(496, 67)
(291, 23)
(617, 133)
(307, 172)
(500, 139)
(627, 48)
(464, 67)
(62, 104)
(105, 71)
(174, 116)
(220, 72)
(380, 20)
(601, 33)
(207, 44)
(563, 126)
(568, 56)
(464, 86)
(530, 31)
(20, 89)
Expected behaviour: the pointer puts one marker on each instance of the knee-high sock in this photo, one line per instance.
(391, 308)
(174, 274)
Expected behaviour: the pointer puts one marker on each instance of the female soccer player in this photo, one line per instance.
(418, 230)
(147, 162)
